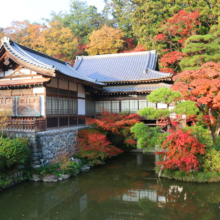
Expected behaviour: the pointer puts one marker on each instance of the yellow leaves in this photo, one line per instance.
(55, 40)
(107, 40)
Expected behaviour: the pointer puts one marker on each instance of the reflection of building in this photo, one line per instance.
(61, 95)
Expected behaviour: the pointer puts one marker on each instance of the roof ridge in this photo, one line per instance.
(43, 54)
(17, 46)
(6, 42)
(169, 74)
(116, 54)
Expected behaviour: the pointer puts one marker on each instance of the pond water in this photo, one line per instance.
(125, 188)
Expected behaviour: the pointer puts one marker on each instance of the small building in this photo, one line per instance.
(42, 92)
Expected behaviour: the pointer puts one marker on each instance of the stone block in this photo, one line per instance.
(35, 178)
(50, 178)
(65, 176)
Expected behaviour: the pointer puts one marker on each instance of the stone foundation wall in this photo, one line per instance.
(48, 146)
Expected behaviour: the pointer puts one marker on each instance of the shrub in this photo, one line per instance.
(212, 161)
(13, 152)
(95, 147)
(181, 151)
(116, 127)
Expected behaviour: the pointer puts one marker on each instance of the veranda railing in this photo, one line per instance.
(26, 125)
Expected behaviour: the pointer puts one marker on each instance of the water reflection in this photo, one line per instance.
(125, 188)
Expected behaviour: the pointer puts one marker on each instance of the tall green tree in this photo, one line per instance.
(149, 14)
(82, 19)
(200, 49)
(119, 14)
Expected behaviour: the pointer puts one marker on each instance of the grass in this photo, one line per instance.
(200, 177)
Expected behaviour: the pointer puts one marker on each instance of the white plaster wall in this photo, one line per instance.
(63, 84)
(81, 91)
(161, 105)
(72, 86)
(9, 72)
(81, 107)
(38, 89)
(1, 73)
(42, 106)
(25, 71)
(53, 83)
(19, 78)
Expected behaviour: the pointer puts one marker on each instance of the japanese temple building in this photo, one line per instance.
(43, 92)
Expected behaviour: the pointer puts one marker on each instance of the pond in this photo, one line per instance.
(125, 188)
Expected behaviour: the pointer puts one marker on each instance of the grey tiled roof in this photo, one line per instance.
(138, 66)
(134, 88)
(43, 61)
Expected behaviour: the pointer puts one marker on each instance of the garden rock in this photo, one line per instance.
(85, 168)
(50, 178)
(65, 176)
(36, 178)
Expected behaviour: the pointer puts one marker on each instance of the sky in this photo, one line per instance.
(34, 10)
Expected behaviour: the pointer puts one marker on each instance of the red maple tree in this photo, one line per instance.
(181, 150)
(174, 32)
(95, 147)
(203, 87)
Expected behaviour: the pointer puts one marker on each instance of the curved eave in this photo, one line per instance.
(25, 61)
(169, 78)
(126, 92)
(21, 83)
(31, 67)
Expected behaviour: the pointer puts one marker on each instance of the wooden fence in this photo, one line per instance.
(26, 125)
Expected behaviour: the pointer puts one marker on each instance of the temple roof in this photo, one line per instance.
(23, 82)
(136, 66)
(43, 62)
(135, 88)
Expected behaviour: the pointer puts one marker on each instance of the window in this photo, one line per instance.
(125, 105)
(52, 90)
(73, 93)
(49, 106)
(61, 110)
(65, 106)
(115, 106)
(133, 106)
(150, 104)
(90, 107)
(73, 106)
(107, 106)
(99, 107)
(142, 104)
(63, 92)
(54, 106)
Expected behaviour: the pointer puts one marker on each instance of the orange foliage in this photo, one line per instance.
(181, 150)
(201, 86)
(175, 31)
(95, 147)
(119, 124)
(56, 41)
(107, 40)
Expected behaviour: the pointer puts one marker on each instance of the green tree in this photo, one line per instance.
(82, 19)
(149, 137)
(200, 49)
(120, 15)
(149, 14)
